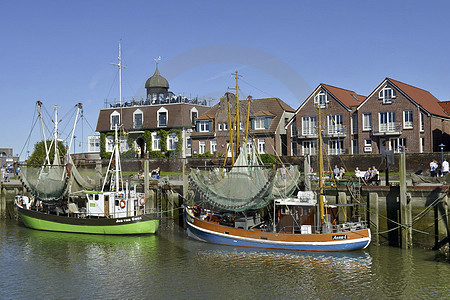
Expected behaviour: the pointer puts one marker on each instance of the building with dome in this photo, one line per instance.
(158, 126)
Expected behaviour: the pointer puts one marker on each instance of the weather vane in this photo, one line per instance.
(157, 60)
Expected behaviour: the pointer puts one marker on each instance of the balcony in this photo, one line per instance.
(310, 133)
(335, 131)
(388, 129)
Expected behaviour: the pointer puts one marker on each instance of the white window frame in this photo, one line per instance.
(309, 125)
(337, 125)
(225, 126)
(367, 145)
(335, 147)
(261, 146)
(421, 145)
(422, 122)
(94, 143)
(213, 146)
(389, 125)
(367, 121)
(309, 147)
(172, 142)
(112, 116)
(156, 142)
(321, 99)
(201, 147)
(203, 126)
(219, 126)
(193, 110)
(259, 123)
(162, 110)
(138, 112)
(408, 120)
(387, 94)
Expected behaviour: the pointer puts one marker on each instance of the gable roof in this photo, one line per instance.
(270, 107)
(418, 96)
(346, 98)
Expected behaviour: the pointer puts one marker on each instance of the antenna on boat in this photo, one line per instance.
(121, 66)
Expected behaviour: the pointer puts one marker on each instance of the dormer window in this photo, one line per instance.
(321, 99)
(194, 115)
(138, 118)
(114, 119)
(387, 94)
(204, 126)
(162, 117)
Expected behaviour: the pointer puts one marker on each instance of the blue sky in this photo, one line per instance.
(60, 52)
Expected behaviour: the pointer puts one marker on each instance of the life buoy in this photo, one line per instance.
(122, 203)
(142, 200)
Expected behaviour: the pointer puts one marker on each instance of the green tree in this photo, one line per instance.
(38, 155)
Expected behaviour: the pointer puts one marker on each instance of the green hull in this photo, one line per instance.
(132, 225)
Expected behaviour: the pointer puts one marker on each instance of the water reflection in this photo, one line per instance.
(48, 265)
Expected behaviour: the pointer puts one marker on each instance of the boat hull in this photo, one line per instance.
(143, 224)
(224, 235)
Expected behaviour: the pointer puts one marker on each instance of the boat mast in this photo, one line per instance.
(121, 66)
(238, 118)
(321, 189)
(55, 135)
(47, 158)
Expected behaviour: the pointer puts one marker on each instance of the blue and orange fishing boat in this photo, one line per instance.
(251, 205)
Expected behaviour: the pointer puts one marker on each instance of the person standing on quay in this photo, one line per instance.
(445, 167)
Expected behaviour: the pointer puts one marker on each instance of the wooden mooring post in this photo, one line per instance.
(405, 206)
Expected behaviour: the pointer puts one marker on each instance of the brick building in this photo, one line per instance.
(154, 124)
(397, 115)
(266, 131)
(339, 121)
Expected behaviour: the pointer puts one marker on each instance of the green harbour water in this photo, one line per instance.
(48, 265)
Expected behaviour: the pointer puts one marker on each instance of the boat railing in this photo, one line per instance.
(332, 228)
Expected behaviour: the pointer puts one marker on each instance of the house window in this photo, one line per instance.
(422, 145)
(335, 147)
(355, 149)
(335, 124)
(213, 146)
(407, 119)
(309, 126)
(189, 143)
(309, 147)
(294, 148)
(194, 115)
(109, 143)
(94, 143)
(294, 128)
(138, 119)
(321, 99)
(387, 121)
(261, 146)
(355, 124)
(201, 147)
(225, 126)
(163, 116)
(204, 126)
(172, 142)
(115, 119)
(422, 121)
(260, 123)
(156, 144)
(397, 144)
(219, 126)
(387, 94)
(367, 121)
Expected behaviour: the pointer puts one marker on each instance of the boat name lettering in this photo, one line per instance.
(339, 237)
(129, 219)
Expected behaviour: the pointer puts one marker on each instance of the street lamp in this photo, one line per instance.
(442, 152)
